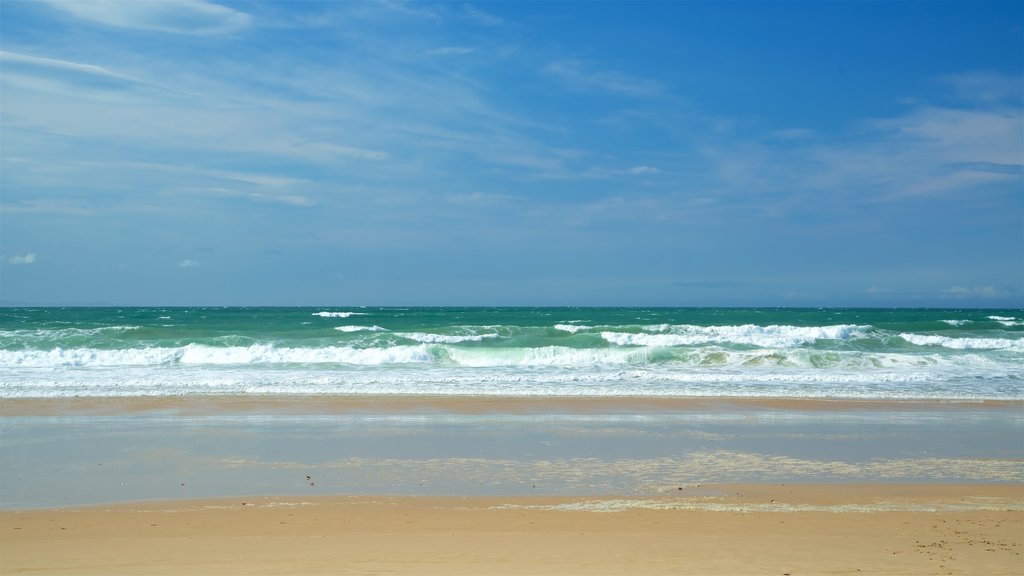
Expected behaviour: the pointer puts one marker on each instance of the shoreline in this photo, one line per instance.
(711, 529)
(462, 404)
(747, 497)
(425, 484)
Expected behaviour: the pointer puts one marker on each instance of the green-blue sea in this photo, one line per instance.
(699, 352)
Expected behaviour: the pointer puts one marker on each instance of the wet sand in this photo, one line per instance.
(493, 485)
(735, 529)
(469, 404)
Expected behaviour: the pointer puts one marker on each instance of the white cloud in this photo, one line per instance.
(986, 87)
(289, 199)
(478, 16)
(26, 259)
(927, 151)
(196, 17)
(953, 135)
(186, 263)
(478, 199)
(63, 77)
(578, 75)
(794, 134)
(47, 207)
(15, 58)
(644, 170)
(451, 51)
(972, 292)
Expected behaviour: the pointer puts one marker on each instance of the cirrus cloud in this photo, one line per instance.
(195, 17)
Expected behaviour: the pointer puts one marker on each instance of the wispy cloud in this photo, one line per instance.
(643, 170)
(451, 51)
(62, 76)
(182, 17)
(930, 150)
(973, 292)
(187, 263)
(479, 17)
(36, 206)
(20, 260)
(14, 59)
(986, 86)
(582, 76)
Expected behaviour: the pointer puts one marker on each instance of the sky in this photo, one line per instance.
(512, 153)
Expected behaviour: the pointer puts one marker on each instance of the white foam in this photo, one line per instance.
(444, 338)
(80, 357)
(57, 333)
(360, 329)
(607, 380)
(957, 322)
(1007, 320)
(963, 343)
(338, 314)
(747, 334)
(546, 356)
(570, 328)
(266, 354)
(198, 354)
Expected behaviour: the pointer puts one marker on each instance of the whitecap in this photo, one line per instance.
(1007, 320)
(559, 356)
(199, 354)
(444, 338)
(748, 334)
(360, 329)
(963, 343)
(267, 354)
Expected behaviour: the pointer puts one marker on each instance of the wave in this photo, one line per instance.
(748, 334)
(957, 322)
(339, 314)
(976, 380)
(1007, 320)
(360, 329)
(196, 354)
(546, 356)
(59, 333)
(571, 328)
(963, 343)
(443, 338)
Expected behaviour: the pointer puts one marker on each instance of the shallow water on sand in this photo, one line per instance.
(75, 458)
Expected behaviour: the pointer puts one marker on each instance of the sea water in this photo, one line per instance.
(962, 354)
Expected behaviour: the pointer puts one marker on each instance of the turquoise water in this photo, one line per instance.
(728, 352)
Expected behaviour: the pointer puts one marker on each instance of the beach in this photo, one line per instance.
(404, 287)
(815, 529)
(484, 485)
(511, 441)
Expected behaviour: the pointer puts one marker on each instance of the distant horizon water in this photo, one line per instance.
(734, 352)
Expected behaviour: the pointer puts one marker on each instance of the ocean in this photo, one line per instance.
(944, 354)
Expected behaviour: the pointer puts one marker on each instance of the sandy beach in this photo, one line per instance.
(478, 485)
(751, 529)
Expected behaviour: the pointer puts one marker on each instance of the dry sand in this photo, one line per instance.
(749, 529)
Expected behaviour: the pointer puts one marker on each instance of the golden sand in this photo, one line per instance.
(751, 529)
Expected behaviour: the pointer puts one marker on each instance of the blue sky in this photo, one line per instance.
(499, 153)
